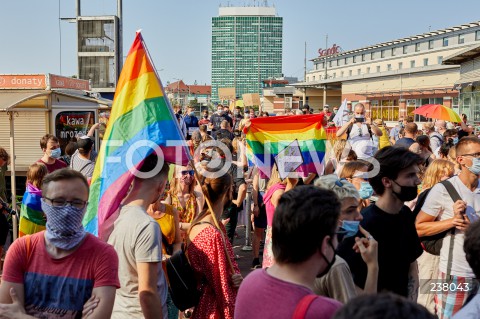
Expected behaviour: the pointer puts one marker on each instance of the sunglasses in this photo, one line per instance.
(190, 172)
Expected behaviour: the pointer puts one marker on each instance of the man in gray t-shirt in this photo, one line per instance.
(137, 240)
(80, 160)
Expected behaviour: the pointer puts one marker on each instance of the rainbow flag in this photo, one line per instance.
(141, 121)
(268, 137)
(32, 219)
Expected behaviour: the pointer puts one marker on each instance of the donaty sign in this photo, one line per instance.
(41, 81)
(335, 49)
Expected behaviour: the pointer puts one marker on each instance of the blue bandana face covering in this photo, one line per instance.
(64, 225)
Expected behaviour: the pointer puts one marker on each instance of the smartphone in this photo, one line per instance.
(471, 214)
(359, 119)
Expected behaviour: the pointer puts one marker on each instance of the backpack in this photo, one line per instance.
(182, 282)
(438, 138)
(433, 244)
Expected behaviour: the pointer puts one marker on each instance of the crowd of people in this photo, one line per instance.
(389, 229)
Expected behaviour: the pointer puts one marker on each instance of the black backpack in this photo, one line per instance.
(433, 244)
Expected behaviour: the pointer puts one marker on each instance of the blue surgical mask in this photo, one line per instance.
(475, 168)
(366, 190)
(349, 227)
(455, 140)
(56, 153)
(64, 225)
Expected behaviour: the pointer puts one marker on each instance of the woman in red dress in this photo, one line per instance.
(211, 255)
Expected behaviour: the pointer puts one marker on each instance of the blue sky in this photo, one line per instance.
(178, 32)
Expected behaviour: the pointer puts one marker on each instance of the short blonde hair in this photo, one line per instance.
(332, 183)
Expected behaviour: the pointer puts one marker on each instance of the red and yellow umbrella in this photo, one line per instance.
(439, 112)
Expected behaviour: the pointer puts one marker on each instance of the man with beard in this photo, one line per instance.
(138, 241)
(391, 223)
(286, 287)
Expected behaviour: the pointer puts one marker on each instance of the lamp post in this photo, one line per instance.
(326, 75)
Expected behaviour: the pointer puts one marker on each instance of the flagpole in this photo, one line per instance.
(207, 200)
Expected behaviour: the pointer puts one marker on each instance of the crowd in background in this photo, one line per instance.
(389, 227)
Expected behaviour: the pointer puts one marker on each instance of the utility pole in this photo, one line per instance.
(305, 75)
(326, 74)
(120, 37)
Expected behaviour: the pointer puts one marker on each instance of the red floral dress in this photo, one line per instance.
(209, 260)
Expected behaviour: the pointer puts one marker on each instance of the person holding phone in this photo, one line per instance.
(440, 213)
(359, 132)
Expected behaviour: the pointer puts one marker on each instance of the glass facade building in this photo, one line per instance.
(246, 49)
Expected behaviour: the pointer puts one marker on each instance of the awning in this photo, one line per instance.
(87, 96)
(8, 100)
(462, 56)
(461, 84)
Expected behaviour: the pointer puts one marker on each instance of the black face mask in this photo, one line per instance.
(407, 193)
(329, 263)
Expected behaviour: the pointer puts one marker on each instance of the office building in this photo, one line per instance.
(246, 49)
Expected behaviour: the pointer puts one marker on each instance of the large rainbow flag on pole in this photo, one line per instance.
(141, 121)
(301, 135)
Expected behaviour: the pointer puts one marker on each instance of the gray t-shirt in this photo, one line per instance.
(84, 166)
(137, 238)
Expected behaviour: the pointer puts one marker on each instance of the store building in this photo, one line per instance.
(393, 78)
(246, 49)
(32, 105)
(469, 82)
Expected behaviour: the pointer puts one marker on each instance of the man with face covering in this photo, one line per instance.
(51, 153)
(218, 117)
(440, 213)
(360, 130)
(58, 270)
(138, 241)
(391, 223)
(277, 291)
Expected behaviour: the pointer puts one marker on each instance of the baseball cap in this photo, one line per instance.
(85, 143)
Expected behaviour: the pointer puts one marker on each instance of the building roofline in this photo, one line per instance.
(407, 39)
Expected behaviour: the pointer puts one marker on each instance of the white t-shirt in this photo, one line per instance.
(361, 141)
(439, 204)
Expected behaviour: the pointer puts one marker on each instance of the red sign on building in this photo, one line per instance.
(23, 81)
(331, 51)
